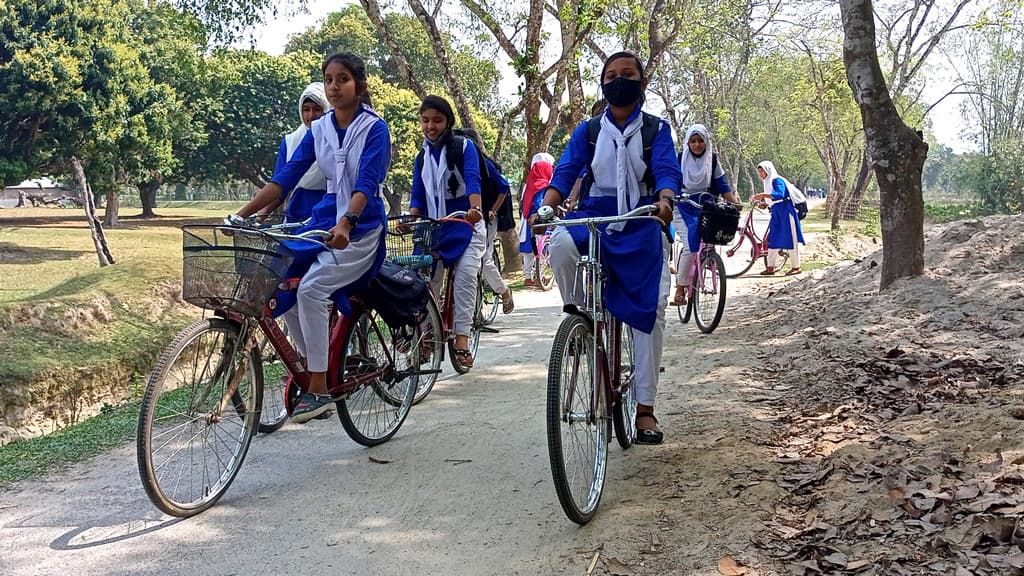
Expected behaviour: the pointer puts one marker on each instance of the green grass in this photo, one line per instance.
(44, 454)
(941, 213)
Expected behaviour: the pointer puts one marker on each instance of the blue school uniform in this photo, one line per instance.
(780, 235)
(454, 237)
(632, 257)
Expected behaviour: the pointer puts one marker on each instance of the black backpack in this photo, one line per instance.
(648, 132)
(399, 295)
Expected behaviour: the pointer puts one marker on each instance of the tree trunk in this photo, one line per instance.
(438, 44)
(113, 206)
(372, 9)
(394, 200)
(510, 249)
(95, 228)
(21, 200)
(860, 185)
(147, 194)
(896, 151)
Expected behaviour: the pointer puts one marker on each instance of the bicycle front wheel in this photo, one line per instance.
(492, 300)
(544, 276)
(374, 411)
(709, 296)
(474, 331)
(199, 413)
(274, 413)
(739, 256)
(577, 424)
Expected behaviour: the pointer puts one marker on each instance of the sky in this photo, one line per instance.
(947, 121)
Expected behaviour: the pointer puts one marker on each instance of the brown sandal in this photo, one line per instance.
(793, 272)
(769, 271)
(507, 303)
(680, 297)
(464, 358)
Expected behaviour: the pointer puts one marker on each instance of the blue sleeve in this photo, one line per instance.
(419, 192)
(538, 201)
(297, 166)
(282, 157)
(720, 186)
(499, 179)
(375, 161)
(779, 191)
(471, 168)
(573, 162)
(664, 165)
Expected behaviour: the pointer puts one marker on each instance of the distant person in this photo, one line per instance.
(784, 232)
(542, 166)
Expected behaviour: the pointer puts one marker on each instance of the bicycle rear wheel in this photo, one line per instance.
(492, 300)
(684, 311)
(624, 408)
(739, 256)
(543, 275)
(374, 411)
(431, 350)
(577, 425)
(199, 413)
(474, 331)
(709, 297)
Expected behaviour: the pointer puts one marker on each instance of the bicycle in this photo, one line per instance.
(492, 300)
(590, 382)
(201, 405)
(705, 296)
(543, 275)
(738, 260)
(413, 244)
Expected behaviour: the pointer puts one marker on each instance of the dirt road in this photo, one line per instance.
(466, 489)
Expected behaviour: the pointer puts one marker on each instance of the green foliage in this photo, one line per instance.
(349, 29)
(872, 219)
(399, 107)
(940, 213)
(996, 179)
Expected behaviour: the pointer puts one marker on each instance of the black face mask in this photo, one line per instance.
(622, 91)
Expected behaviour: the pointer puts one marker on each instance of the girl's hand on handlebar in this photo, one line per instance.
(664, 212)
(474, 215)
(339, 235)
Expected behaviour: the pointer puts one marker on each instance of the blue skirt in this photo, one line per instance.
(780, 236)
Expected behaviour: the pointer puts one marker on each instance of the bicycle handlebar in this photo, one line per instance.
(546, 217)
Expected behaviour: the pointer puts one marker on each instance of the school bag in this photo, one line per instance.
(399, 295)
(648, 131)
(798, 198)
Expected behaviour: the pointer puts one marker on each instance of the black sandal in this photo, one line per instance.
(464, 357)
(648, 436)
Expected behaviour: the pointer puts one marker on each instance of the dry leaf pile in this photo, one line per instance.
(894, 412)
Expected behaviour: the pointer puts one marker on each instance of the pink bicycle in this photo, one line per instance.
(738, 258)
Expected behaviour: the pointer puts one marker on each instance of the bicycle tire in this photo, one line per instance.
(574, 343)
(474, 332)
(492, 300)
(390, 394)
(624, 408)
(543, 274)
(274, 410)
(434, 339)
(684, 311)
(165, 411)
(742, 259)
(713, 277)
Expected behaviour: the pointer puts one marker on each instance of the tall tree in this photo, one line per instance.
(897, 151)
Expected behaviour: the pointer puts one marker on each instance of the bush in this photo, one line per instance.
(996, 179)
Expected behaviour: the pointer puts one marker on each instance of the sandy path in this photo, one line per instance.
(468, 490)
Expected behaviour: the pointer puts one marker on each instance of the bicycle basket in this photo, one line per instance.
(231, 268)
(718, 223)
(405, 239)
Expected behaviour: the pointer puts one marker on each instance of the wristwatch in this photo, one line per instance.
(352, 217)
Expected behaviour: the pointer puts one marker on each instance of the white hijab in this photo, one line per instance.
(313, 179)
(542, 157)
(697, 169)
(769, 182)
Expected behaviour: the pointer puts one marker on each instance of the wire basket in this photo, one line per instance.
(718, 223)
(407, 240)
(229, 268)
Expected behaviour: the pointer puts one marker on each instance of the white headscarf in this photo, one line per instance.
(542, 157)
(697, 169)
(313, 179)
(769, 183)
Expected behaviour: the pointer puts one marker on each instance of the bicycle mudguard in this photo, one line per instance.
(575, 311)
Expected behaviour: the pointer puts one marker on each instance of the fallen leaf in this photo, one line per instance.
(729, 567)
(379, 461)
(986, 502)
(836, 559)
(1017, 412)
(617, 568)
(857, 564)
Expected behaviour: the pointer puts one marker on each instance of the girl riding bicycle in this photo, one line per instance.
(784, 232)
(352, 147)
(440, 188)
(627, 171)
(702, 175)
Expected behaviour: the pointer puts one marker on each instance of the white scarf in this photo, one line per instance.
(313, 179)
(697, 170)
(339, 161)
(628, 153)
(433, 174)
(769, 182)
